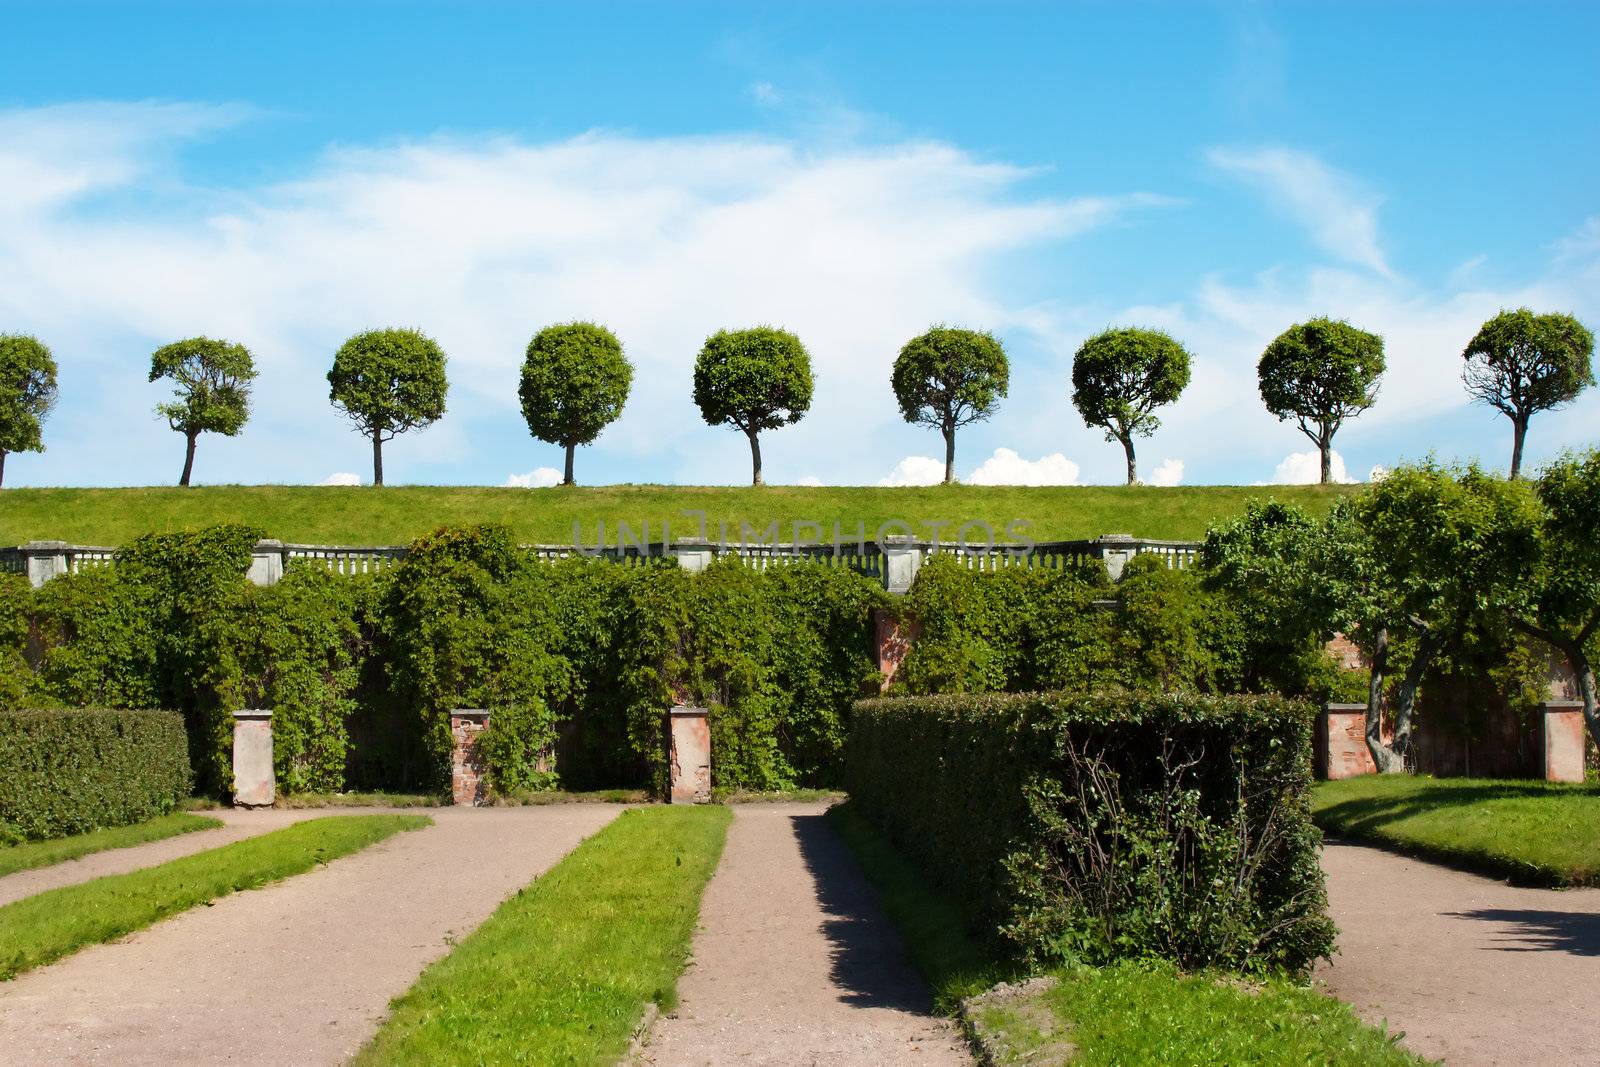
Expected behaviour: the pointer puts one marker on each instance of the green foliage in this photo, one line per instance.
(1093, 827)
(575, 381)
(1319, 373)
(1121, 376)
(71, 771)
(27, 392)
(387, 382)
(1520, 363)
(211, 391)
(753, 380)
(948, 378)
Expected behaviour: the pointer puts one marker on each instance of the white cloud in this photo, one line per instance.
(915, 470)
(1006, 467)
(1378, 473)
(810, 481)
(1582, 242)
(538, 478)
(1341, 215)
(1168, 472)
(341, 478)
(1305, 468)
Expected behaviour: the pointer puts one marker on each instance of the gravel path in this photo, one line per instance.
(238, 826)
(1473, 970)
(298, 973)
(795, 964)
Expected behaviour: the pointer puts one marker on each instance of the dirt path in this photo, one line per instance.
(298, 973)
(238, 826)
(794, 963)
(1473, 970)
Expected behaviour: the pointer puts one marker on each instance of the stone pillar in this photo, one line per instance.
(467, 786)
(1116, 550)
(1563, 740)
(266, 563)
(693, 557)
(1340, 742)
(254, 785)
(892, 636)
(46, 560)
(688, 756)
(900, 563)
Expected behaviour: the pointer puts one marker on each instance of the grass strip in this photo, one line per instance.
(1531, 832)
(562, 971)
(1150, 1013)
(45, 927)
(31, 854)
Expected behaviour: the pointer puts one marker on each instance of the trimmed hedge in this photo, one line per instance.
(1109, 825)
(71, 771)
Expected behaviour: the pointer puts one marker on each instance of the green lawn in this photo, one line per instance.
(1532, 832)
(32, 854)
(42, 928)
(397, 514)
(562, 971)
(1126, 1014)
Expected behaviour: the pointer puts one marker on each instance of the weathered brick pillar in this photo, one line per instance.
(688, 756)
(892, 635)
(254, 785)
(1562, 740)
(467, 786)
(1340, 742)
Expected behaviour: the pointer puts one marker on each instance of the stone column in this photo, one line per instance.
(1562, 740)
(254, 785)
(266, 563)
(1116, 550)
(893, 637)
(46, 560)
(467, 786)
(901, 561)
(688, 756)
(1340, 743)
(693, 556)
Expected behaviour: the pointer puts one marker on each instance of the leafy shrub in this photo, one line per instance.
(1095, 827)
(71, 771)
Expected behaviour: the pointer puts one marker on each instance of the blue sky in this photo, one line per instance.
(288, 174)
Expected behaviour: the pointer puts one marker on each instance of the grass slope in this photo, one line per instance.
(32, 854)
(1532, 832)
(397, 514)
(1125, 1014)
(43, 928)
(562, 971)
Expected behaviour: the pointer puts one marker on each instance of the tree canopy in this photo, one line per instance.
(211, 389)
(575, 381)
(27, 393)
(1320, 373)
(948, 378)
(387, 382)
(753, 380)
(1521, 363)
(1121, 376)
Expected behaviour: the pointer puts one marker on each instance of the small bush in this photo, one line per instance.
(1085, 828)
(71, 771)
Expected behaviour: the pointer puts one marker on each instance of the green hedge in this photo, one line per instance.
(1102, 826)
(71, 771)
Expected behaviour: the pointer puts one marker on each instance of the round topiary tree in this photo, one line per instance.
(1521, 363)
(753, 380)
(575, 381)
(948, 378)
(1120, 377)
(1320, 373)
(211, 391)
(387, 382)
(27, 393)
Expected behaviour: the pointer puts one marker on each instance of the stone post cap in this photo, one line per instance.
(36, 545)
(481, 714)
(686, 712)
(253, 713)
(1114, 537)
(268, 542)
(1561, 705)
(1344, 707)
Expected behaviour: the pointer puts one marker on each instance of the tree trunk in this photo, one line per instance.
(755, 456)
(2, 466)
(1325, 446)
(1519, 432)
(566, 478)
(1578, 661)
(188, 458)
(1133, 470)
(377, 459)
(1406, 697)
(949, 454)
(1383, 757)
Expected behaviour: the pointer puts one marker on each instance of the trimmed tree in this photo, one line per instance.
(1521, 363)
(387, 382)
(949, 378)
(211, 390)
(1120, 377)
(27, 393)
(575, 381)
(1320, 373)
(753, 380)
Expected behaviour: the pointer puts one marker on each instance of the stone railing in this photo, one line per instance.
(893, 561)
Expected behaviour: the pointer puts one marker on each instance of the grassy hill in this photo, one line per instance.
(396, 514)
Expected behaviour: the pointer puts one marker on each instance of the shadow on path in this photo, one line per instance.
(1576, 933)
(869, 963)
